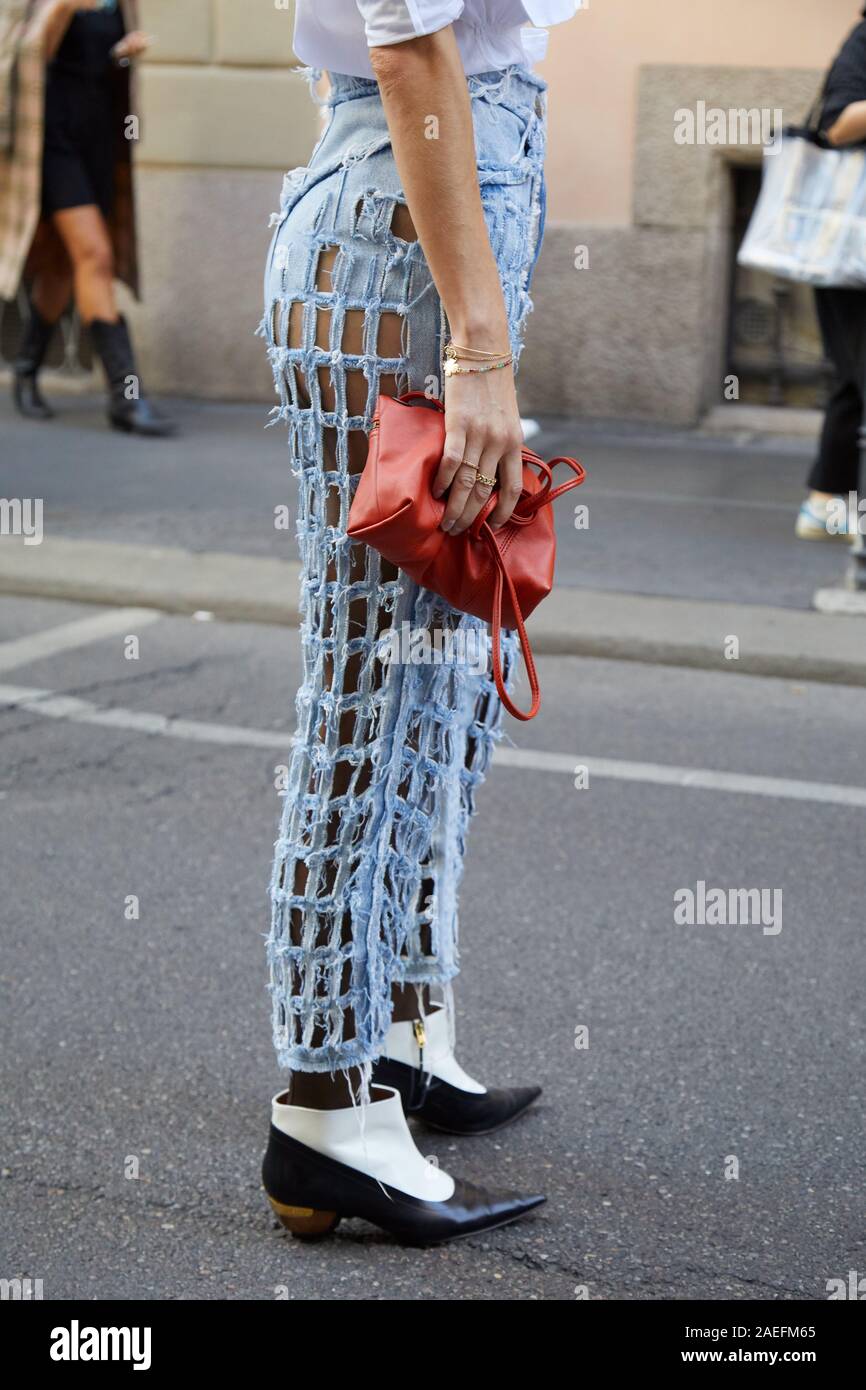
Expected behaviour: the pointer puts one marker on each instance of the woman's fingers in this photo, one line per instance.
(483, 484)
(482, 434)
(510, 486)
(452, 454)
(461, 487)
(133, 44)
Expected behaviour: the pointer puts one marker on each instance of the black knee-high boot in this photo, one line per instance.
(36, 335)
(128, 407)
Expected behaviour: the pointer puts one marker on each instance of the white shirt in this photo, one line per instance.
(491, 34)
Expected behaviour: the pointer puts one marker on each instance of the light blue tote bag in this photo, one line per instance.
(809, 223)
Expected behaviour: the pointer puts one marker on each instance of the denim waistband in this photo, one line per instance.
(513, 82)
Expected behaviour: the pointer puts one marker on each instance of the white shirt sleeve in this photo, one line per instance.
(395, 21)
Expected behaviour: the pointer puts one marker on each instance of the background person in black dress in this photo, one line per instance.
(842, 316)
(86, 48)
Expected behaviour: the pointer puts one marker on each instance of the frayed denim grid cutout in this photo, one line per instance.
(384, 859)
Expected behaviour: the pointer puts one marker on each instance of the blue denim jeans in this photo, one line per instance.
(387, 754)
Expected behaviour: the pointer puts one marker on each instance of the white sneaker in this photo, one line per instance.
(820, 520)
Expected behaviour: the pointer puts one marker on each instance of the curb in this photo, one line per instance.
(237, 588)
(785, 643)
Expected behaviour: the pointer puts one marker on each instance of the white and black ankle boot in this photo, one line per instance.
(134, 412)
(36, 335)
(419, 1062)
(322, 1165)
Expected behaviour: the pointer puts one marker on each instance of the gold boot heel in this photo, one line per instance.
(305, 1222)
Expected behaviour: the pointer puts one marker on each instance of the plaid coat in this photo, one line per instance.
(22, 114)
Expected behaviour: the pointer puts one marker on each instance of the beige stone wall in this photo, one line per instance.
(223, 117)
(640, 331)
(593, 67)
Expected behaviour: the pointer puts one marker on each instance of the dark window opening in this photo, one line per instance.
(773, 341)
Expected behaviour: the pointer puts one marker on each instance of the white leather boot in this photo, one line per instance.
(419, 1060)
(322, 1165)
(380, 1145)
(425, 1043)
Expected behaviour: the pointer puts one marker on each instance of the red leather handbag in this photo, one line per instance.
(500, 576)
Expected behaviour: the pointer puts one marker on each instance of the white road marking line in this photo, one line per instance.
(20, 651)
(702, 778)
(52, 706)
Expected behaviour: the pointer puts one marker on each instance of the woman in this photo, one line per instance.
(416, 225)
(66, 214)
(842, 317)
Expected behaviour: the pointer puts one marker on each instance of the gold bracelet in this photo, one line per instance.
(454, 350)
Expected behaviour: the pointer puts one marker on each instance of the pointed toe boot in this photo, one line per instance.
(336, 1170)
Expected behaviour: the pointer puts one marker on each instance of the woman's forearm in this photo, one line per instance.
(422, 79)
(850, 127)
(56, 24)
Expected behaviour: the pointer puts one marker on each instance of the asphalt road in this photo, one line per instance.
(669, 514)
(144, 1045)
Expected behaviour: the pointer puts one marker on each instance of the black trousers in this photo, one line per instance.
(842, 316)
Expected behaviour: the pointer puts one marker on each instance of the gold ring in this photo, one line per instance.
(488, 482)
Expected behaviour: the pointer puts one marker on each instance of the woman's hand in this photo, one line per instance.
(483, 435)
(132, 45)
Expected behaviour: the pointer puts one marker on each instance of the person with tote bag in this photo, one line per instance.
(809, 225)
(842, 317)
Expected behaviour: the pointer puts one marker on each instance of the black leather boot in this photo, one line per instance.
(445, 1107)
(379, 1176)
(113, 344)
(419, 1063)
(35, 337)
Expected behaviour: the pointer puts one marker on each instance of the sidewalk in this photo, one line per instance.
(690, 538)
(572, 622)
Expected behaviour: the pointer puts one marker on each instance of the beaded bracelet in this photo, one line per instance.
(452, 369)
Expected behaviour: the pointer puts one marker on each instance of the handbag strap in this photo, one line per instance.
(409, 396)
(503, 578)
(522, 514)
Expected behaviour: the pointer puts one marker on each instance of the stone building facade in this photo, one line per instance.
(634, 288)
